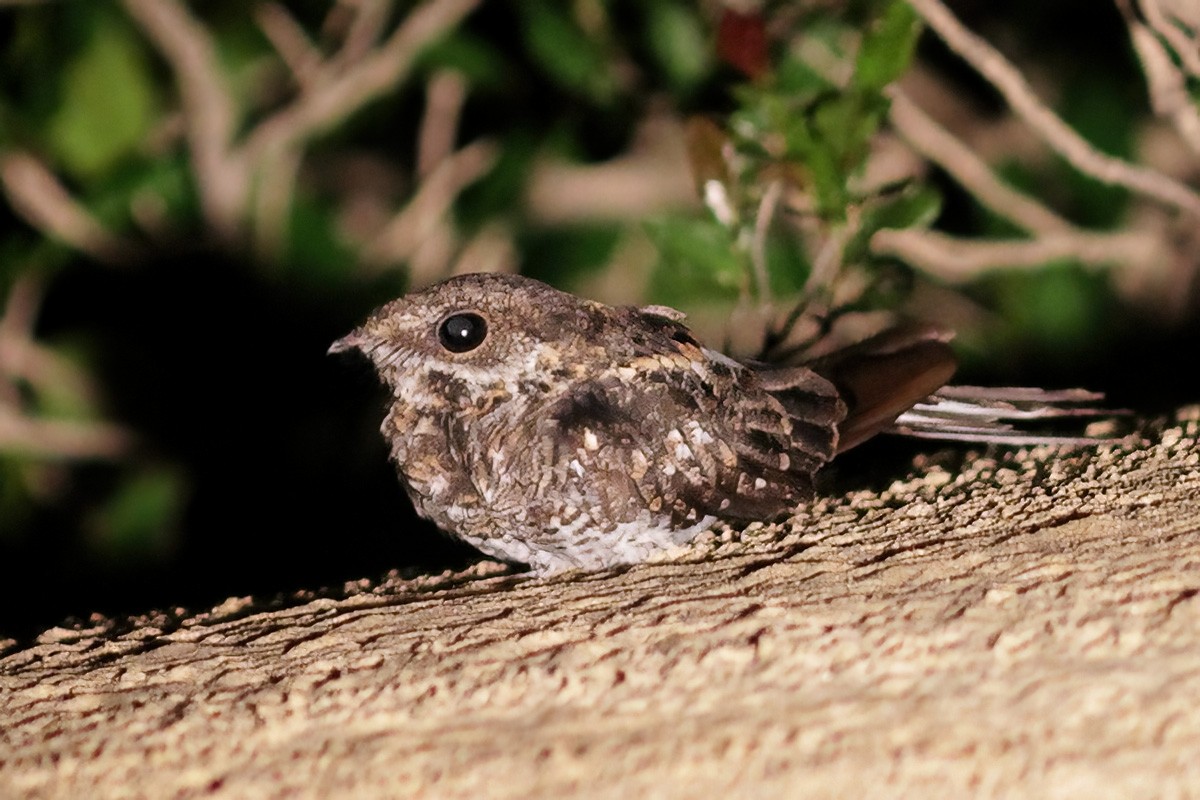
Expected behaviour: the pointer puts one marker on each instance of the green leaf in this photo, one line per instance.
(795, 78)
(141, 517)
(698, 261)
(677, 40)
(1061, 305)
(887, 47)
(844, 125)
(822, 167)
(914, 206)
(558, 255)
(107, 103)
(571, 57)
(787, 265)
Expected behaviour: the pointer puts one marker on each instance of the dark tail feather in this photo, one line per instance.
(884, 376)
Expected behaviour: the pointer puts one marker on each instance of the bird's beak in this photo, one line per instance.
(351, 341)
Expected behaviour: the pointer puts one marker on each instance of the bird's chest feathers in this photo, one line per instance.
(454, 449)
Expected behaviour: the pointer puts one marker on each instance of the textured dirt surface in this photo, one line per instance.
(1026, 624)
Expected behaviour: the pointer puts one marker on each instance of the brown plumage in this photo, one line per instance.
(559, 432)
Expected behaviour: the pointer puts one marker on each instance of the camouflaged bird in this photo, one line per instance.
(558, 432)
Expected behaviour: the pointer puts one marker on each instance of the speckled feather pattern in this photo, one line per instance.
(583, 435)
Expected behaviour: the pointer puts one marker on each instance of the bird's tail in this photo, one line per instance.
(1009, 415)
(894, 382)
(881, 377)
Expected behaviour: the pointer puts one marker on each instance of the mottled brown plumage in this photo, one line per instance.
(559, 432)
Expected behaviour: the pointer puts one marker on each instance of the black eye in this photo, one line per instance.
(462, 332)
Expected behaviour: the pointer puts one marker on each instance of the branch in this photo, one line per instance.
(941, 147)
(336, 97)
(444, 96)
(653, 175)
(209, 110)
(1184, 45)
(61, 439)
(42, 201)
(958, 260)
(404, 234)
(1045, 123)
(367, 23)
(290, 41)
(758, 246)
(23, 361)
(1166, 83)
(276, 186)
(489, 250)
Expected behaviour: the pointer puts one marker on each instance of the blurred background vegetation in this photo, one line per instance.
(198, 197)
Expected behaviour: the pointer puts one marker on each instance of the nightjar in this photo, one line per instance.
(558, 432)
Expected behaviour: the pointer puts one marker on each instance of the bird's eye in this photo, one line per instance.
(459, 333)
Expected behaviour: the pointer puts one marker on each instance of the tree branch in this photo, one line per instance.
(42, 201)
(1081, 154)
(960, 260)
(1184, 44)
(1166, 83)
(941, 147)
(414, 224)
(338, 96)
(209, 111)
(1026, 624)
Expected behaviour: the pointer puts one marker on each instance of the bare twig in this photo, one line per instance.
(828, 258)
(490, 250)
(1057, 134)
(289, 39)
(60, 438)
(1185, 46)
(209, 110)
(276, 187)
(433, 257)
(42, 201)
(444, 98)
(227, 173)
(958, 260)
(22, 359)
(1166, 83)
(336, 97)
(20, 311)
(758, 247)
(404, 234)
(365, 27)
(941, 147)
(654, 175)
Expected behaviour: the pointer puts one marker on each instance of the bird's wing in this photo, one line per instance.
(885, 375)
(689, 433)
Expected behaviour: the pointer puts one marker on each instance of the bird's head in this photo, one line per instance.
(474, 336)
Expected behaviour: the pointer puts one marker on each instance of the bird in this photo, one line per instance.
(562, 433)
